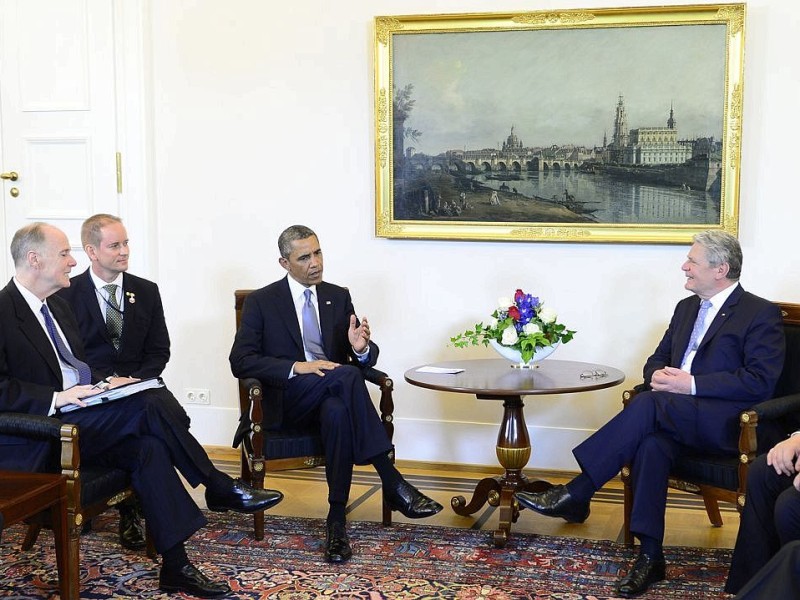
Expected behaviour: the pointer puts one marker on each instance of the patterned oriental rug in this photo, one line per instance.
(400, 562)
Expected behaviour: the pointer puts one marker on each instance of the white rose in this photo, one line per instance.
(504, 302)
(548, 315)
(510, 336)
(531, 328)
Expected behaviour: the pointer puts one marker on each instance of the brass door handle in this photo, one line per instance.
(12, 175)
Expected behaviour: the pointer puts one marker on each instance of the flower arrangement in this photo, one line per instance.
(523, 323)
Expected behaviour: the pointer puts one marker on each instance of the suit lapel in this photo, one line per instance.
(285, 305)
(723, 314)
(88, 295)
(326, 320)
(684, 332)
(129, 304)
(32, 329)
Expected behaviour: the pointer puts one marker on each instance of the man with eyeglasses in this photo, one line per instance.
(722, 352)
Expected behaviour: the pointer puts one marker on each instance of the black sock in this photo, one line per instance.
(651, 547)
(581, 488)
(386, 470)
(219, 481)
(174, 559)
(336, 512)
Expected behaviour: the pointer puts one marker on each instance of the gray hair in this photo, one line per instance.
(91, 228)
(28, 238)
(721, 247)
(292, 234)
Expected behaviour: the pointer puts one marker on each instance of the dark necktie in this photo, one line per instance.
(113, 315)
(699, 328)
(312, 338)
(84, 372)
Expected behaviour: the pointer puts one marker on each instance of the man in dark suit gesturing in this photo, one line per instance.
(723, 352)
(42, 370)
(300, 335)
(122, 325)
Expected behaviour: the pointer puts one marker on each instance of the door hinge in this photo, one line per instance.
(119, 172)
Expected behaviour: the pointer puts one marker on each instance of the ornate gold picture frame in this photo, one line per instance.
(596, 125)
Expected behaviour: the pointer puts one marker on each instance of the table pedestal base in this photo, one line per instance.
(513, 451)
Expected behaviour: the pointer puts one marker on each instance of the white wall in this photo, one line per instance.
(261, 116)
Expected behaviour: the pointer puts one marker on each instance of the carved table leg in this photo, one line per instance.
(487, 490)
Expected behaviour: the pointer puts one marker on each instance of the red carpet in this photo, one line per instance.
(400, 562)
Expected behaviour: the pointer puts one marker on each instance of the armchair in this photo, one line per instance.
(90, 490)
(267, 445)
(718, 477)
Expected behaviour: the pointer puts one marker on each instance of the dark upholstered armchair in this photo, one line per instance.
(90, 491)
(717, 477)
(268, 446)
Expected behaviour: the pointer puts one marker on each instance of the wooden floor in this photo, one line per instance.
(306, 492)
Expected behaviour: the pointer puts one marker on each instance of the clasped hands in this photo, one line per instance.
(671, 379)
(357, 334)
(76, 393)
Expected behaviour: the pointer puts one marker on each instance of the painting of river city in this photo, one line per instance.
(606, 125)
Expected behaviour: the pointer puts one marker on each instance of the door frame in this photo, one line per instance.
(132, 135)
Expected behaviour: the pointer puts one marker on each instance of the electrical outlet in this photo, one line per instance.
(196, 396)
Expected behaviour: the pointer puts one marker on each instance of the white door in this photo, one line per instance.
(58, 125)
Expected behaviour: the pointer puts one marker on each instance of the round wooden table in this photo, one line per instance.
(496, 379)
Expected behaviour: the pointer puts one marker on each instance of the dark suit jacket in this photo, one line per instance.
(144, 348)
(741, 355)
(269, 341)
(29, 370)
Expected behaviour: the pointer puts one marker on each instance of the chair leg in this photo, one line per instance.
(31, 536)
(387, 514)
(258, 517)
(627, 493)
(712, 508)
(150, 548)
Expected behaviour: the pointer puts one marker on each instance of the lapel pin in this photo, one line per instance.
(131, 297)
(327, 302)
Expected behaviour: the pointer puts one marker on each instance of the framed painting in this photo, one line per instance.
(596, 125)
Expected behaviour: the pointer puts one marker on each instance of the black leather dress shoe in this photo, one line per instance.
(410, 501)
(131, 530)
(555, 502)
(644, 572)
(337, 546)
(191, 580)
(242, 497)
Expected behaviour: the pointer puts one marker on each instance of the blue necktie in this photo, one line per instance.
(84, 372)
(699, 328)
(312, 338)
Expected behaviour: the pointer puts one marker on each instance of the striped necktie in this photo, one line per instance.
(84, 372)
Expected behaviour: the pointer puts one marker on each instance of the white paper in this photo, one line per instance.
(445, 370)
